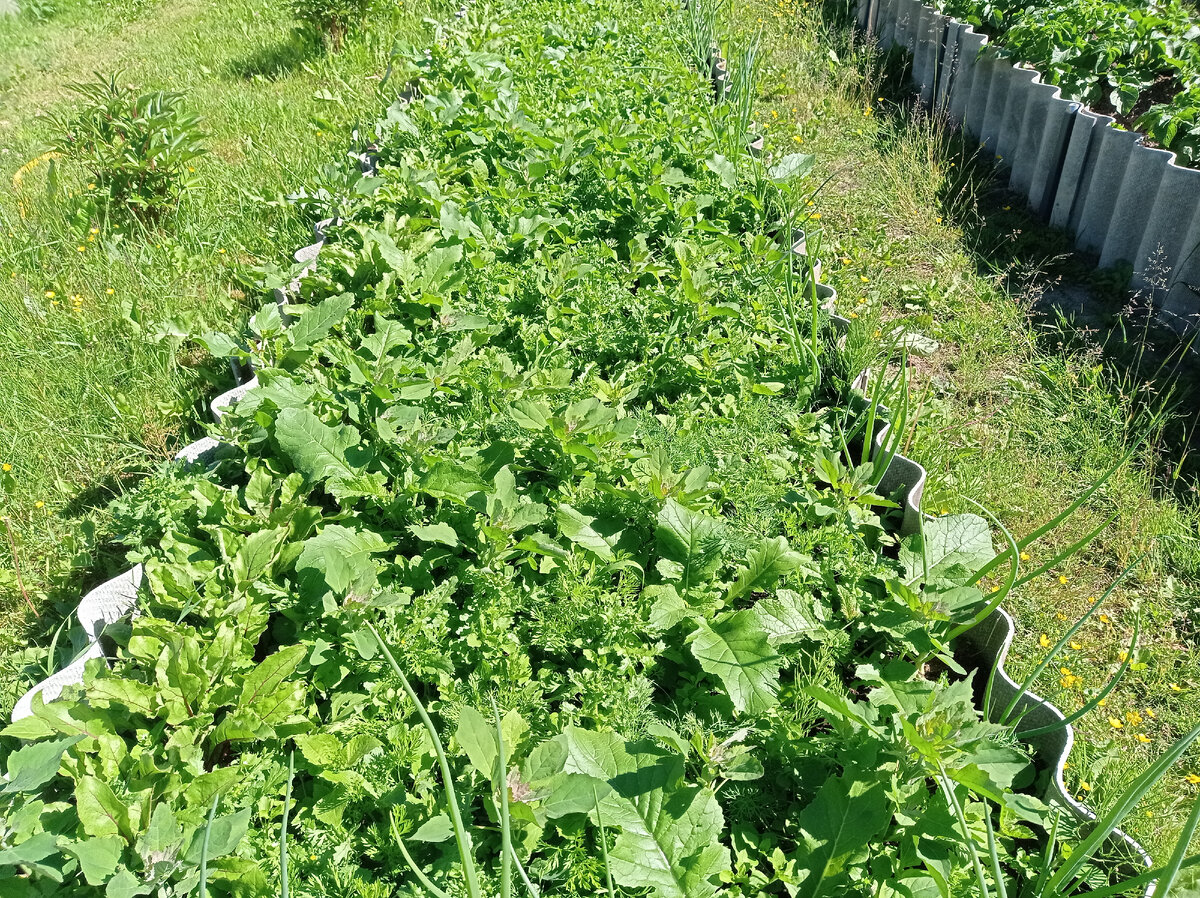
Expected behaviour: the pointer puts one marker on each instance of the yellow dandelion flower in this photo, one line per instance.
(816, 216)
(1062, 579)
(94, 231)
(798, 139)
(864, 279)
(110, 291)
(81, 248)
(1133, 718)
(1123, 656)
(1142, 738)
(1175, 687)
(92, 186)
(1059, 615)
(939, 219)
(852, 315)
(1024, 556)
(221, 251)
(845, 261)
(39, 504)
(6, 467)
(1076, 646)
(1193, 779)
(1085, 786)
(49, 294)
(1044, 641)
(1149, 712)
(1102, 703)
(1115, 723)
(1105, 619)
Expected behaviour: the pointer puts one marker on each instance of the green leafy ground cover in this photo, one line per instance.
(100, 379)
(1137, 61)
(557, 430)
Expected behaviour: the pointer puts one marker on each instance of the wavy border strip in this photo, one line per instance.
(1121, 199)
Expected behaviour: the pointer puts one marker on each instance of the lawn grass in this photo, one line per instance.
(1015, 411)
(101, 381)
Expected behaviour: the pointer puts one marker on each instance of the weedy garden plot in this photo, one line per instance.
(541, 552)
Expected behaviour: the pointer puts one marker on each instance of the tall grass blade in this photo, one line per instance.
(212, 813)
(1126, 803)
(283, 826)
(461, 836)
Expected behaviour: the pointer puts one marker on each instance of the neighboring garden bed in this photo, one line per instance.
(1138, 61)
(558, 447)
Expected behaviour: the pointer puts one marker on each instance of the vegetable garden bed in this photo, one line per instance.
(543, 549)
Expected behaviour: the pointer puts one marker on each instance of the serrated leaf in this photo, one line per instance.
(735, 649)
(794, 165)
(578, 529)
(317, 321)
(342, 556)
(435, 533)
(320, 452)
(321, 750)
(692, 540)
(772, 559)
(789, 617)
(953, 547)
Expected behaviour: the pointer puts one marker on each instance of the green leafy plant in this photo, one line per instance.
(136, 149)
(331, 18)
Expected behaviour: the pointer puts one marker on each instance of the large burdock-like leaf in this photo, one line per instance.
(838, 823)
(736, 649)
(764, 566)
(948, 550)
(670, 832)
(690, 542)
(321, 452)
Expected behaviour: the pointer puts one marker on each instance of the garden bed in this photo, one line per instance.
(558, 448)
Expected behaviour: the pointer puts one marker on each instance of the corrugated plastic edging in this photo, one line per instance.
(1122, 200)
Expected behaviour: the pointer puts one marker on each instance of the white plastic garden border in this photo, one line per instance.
(1120, 199)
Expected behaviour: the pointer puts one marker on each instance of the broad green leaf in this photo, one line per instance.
(435, 829)
(670, 836)
(32, 766)
(693, 541)
(948, 551)
(320, 452)
(478, 739)
(789, 617)
(162, 839)
(674, 847)
(450, 481)
(578, 529)
(342, 556)
(735, 648)
(766, 564)
(224, 837)
(101, 813)
(841, 821)
(794, 165)
(98, 857)
(322, 750)
(435, 533)
(317, 321)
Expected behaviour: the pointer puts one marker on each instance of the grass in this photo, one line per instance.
(101, 381)
(1015, 410)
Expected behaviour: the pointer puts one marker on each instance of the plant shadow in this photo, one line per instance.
(280, 59)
